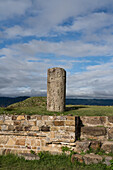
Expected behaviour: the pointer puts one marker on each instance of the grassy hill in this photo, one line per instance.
(37, 105)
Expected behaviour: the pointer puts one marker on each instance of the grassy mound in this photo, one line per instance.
(30, 102)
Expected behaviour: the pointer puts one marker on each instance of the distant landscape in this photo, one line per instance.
(6, 101)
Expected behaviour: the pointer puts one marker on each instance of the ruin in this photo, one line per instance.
(56, 89)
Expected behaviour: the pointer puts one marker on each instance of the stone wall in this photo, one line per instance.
(23, 133)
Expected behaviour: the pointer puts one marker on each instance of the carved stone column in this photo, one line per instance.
(56, 89)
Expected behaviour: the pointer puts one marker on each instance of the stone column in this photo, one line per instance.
(56, 89)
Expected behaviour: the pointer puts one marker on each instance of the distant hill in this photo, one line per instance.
(5, 101)
(98, 102)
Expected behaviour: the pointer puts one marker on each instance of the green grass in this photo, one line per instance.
(46, 162)
(37, 105)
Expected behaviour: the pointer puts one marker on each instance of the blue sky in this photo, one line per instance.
(76, 35)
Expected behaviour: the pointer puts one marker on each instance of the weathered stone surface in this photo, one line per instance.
(70, 123)
(58, 123)
(21, 117)
(107, 160)
(20, 142)
(93, 120)
(82, 146)
(10, 127)
(93, 131)
(45, 128)
(92, 158)
(110, 133)
(29, 156)
(95, 145)
(10, 142)
(110, 119)
(108, 146)
(77, 157)
(56, 89)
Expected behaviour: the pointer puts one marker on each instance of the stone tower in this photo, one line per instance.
(56, 89)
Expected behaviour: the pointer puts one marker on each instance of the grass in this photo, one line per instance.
(46, 162)
(37, 105)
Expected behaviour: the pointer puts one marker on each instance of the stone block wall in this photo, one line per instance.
(23, 133)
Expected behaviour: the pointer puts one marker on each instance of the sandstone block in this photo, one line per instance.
(107, 146)
(77, 157)
(10, 127)
(110, 119)
(20, 117)
(95, 145)
(82, 146)
(20, 142)
(34, 128)
(92, 158)
(58, 123)
(70, 117)
(11, 142)
(93, 131)
(107, 160)
(110, 133)
(70, 123)
(45, 128)
(93, 120)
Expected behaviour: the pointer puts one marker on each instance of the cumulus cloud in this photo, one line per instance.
(38, 34)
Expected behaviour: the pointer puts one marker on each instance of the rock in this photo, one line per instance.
(77, 157)
(110, 133)
(21, 117)
(29, 156)
(95, 145)
(107, 160)
(93, 131)
(45, 128)
(92, 158)
(82, 146)
(58, 123)
(108, 146)
(93, 120)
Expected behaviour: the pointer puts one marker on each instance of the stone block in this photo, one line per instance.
(107, 146)
(58, 123)
(10, 127)
(70, 117)
(29, 156)
(93, 131)
(110, 119)
(92, 159)
(54, 128)
(11, 142)
(17, 122)
(21, 117)
(82, 146)
(14, 117)
(32, 123)
(95, 145)
(93, 120)
(1, 122)
(3, 139)
(45, 128)
(69, 123)
(34, 128)
(110, 133)
(107, 160)
(20, 142)
(77, 157)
